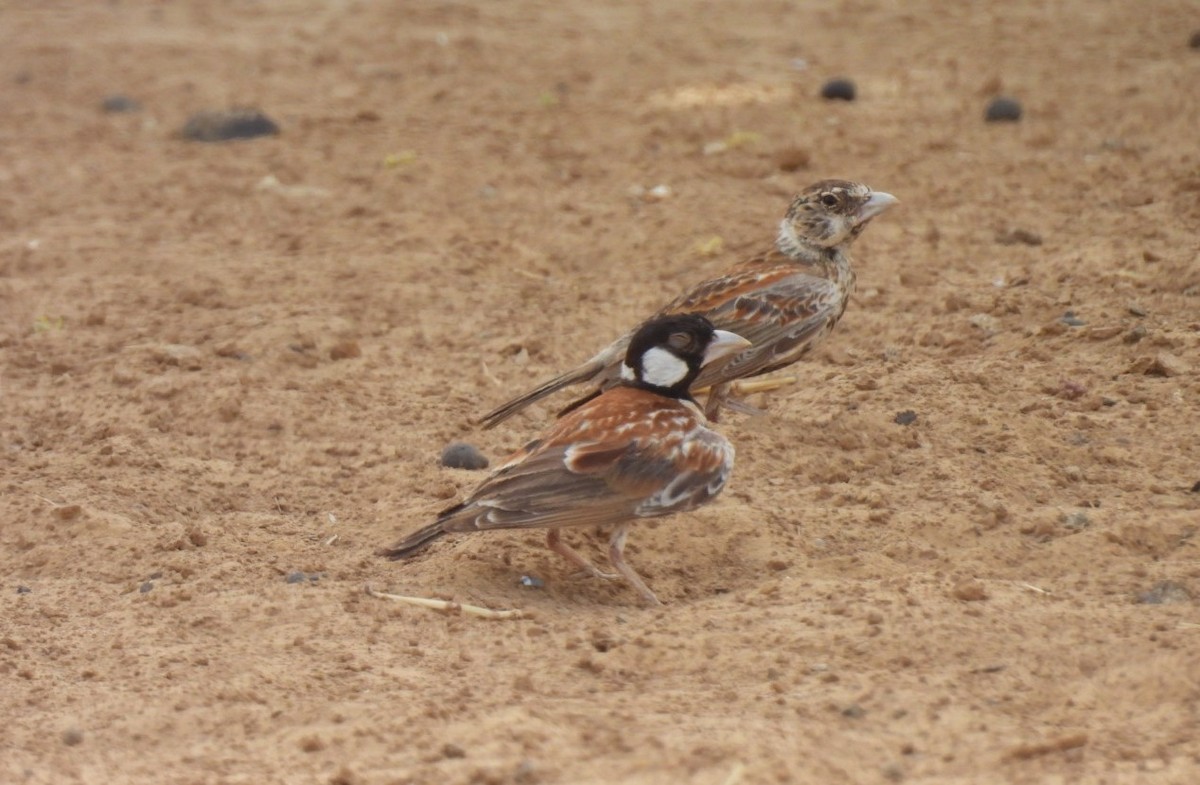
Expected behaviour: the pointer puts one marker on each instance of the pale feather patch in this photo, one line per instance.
(661, 368)
(627, 373)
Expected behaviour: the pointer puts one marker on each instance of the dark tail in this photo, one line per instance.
(503, 412)
(414, 542)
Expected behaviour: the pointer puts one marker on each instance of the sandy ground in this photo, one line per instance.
(221, 364)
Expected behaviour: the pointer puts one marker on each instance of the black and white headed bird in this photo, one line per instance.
(639, 449)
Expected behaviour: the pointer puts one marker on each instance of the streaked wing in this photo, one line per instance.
(625, 470)
(709, 461)
(782, 321)
(744, 278)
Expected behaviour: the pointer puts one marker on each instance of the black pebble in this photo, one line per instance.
(27, 590)
(906, 417)
(1003, 110)
(460, 455)
(223, 126)
(1195, 489)
(119, 103)
(838, 90)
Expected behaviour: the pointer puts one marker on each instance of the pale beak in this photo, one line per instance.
(724, 343)
(878, 202)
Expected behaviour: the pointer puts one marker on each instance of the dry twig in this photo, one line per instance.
(448, 605)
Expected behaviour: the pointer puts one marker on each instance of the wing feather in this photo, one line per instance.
(628, 470)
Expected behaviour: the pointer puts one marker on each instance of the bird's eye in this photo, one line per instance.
(829, 200)
(679, 340)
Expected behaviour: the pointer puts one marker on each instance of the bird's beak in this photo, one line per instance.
(878, 202)
(724, 343)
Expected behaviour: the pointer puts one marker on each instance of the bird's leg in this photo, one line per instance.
(716, 397)
(554, 542)
(616, 555)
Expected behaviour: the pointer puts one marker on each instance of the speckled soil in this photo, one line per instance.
(221, 364)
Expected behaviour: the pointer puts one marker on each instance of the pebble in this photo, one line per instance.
(1163, 364)
(838, 90)
(460, 455)
(906, 417)
(792, 159)
(72, 737)
(450, 750)
(27, 590)
(1015, 236)
(1077, 520)
(1071, 320)
(1135, 335)
(119, 103)
(146, 587)
(969, 591)
(1002, 109)
(216, 126)
(345, 350)
(296, 576)
(1165, 593)
(1194, 41)
(532, 581)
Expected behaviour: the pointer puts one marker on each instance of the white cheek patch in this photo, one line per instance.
(628, 373)
(662, 369)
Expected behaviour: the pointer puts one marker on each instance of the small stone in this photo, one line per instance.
(1163, 364)
(146, 587)
(1019, 236)
(345, 350)
(969, 591)
(1194, 41)
(1196, 487)
(854, 711)
(119, 103)
(838, 90)
(1002, 109)
(1071, 320)
(221, 126)
(989, 325)
(68, 512)
(1136, 309)
(1076, 521)
(906, 417)
(460, 455)
(450, 750)
(180, 355)
(27, 590)
(532, 582)
(72, 737)
(792, 158)
(1135, 335)
(1165, 593)
(296, 576)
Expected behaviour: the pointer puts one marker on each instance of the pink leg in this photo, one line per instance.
(554, 542)
(616, 555)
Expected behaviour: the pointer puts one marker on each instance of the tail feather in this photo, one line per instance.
(415, 541)
(587, 372)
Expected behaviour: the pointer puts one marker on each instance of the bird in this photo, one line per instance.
(784, 300)
(640, 449)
